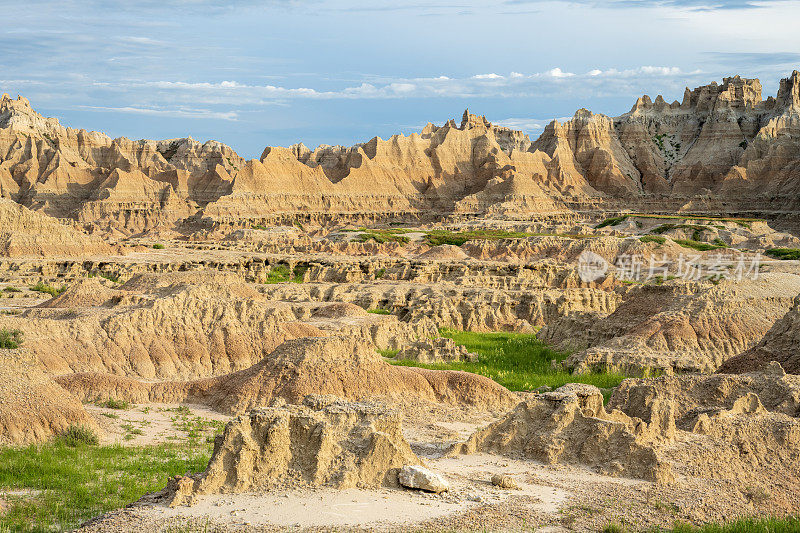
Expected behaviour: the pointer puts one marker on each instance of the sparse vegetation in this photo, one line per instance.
(380, 273)
(381, 236)
(76, 436)
(614, 221)
(106, 275)
(11, 289)
(158, 246)
(70, 484)
(10, 338)
(282, 274)
(112, 403)
(47, 289)
(653, 238)
(379, 311)
(784, 253)
(518, 361)
(745, 525)
(700, 246)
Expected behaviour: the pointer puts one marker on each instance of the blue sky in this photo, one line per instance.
(255, 73)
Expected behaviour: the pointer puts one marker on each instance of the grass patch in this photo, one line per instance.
(745, 525)
(158, 246)
(457, 238)
(517, 361)
(47, 289)
(379, 311)
(106, 275)
(111, 403)
(282, 274)
(653, 238)
(784, 253)
(380, 273)
(76, 436)
(382, 236)
(613, 221)
(10, 339)
(75, 483)
(11, 289)
(700, 246)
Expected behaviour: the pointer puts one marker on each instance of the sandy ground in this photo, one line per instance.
(155, 423)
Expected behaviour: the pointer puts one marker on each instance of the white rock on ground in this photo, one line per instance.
(418, 477)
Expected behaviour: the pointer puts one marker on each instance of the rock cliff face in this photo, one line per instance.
(722, 147)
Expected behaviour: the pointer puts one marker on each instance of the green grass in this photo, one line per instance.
(653, 238)
(700, 246)
(106, 275)
(112, 403)
(76, 436)
(47, 289)
(743, 525)
(613, 221)
(282, 274)
(380, 273)
(10, 338)
(784, 253)
(158, 246)
(382, 236)
(518, 361)
(379, 311)
(11, 289)
(76, 483)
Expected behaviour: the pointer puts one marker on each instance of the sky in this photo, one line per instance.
(255, 73)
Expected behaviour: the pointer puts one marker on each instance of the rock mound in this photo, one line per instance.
(33, 407)
(343, 366)
(779, 344)
(570, 425)
(444, 252)
(325, 441)
(27, 233)
(91, 292)
(439, 350)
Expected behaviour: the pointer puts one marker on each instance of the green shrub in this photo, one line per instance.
(158, 246)
(699, 246)
(10, 338)
(784, 253)
(112, 403)
(612, 221)
(380, 273)
(47, 289)
(11, 289)
(653, 238)
(76, 436)
(379, 311)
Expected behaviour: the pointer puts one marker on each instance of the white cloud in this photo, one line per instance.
(178, 112)
(558, 73)
(491, 76)
(517, 75)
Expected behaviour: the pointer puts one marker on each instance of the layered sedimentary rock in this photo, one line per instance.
(779, 344)
(723, 148)
(324, 441)
(692, 327)
(27, 233)
(731, 428)
(33, 407)
(338, 365)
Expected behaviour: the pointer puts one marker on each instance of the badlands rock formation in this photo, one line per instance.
(322, 442)
(722, 148)
(33, 408)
